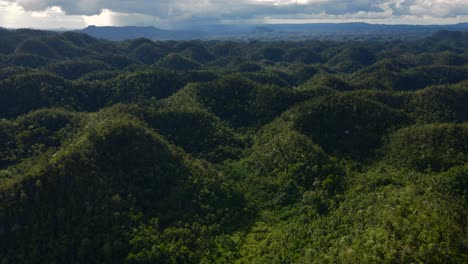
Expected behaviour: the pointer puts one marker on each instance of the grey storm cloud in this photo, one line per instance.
(216, 10)
(214, 7)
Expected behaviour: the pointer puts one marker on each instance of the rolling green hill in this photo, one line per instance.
(311, 151)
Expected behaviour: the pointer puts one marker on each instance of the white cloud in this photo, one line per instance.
(438, 8)
(173, 13)
(13, 15)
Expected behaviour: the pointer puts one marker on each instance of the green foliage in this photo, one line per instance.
(132, 172)
(329, 81)
(249, 67)
(177, 62)
(100, 76)
(8, 41)
(303, 55)
(139, 86)
(429, 147)
(43, 131)
(352, 58)
(22, 93)
(269, 78)
(346, 125)
(313, 151)
(228, 98)
(194, 129)
(456, 181)
(36, 47)
(198, 53)
(299, 74)
(243, 102)
(439, 104)
(116, 61)
(26, 60)
(385, 217)
(423, 76)
(270, 53)
(7, 142)
(79, 39)
(285, 164)
(74, 69)
(148, 53)
(63, 47)
(11, 71)
(403, 227)
(396, 100)
(383, 75)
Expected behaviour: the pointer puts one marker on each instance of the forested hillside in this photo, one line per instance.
(233, 152)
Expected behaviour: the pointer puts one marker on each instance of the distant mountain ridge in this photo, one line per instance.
(270, 31)
(133, 32)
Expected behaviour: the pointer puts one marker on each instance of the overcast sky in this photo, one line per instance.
(184, 13)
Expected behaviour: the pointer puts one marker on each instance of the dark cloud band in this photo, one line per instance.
(213, 11)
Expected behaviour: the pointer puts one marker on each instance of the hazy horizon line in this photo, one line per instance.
(238, 24)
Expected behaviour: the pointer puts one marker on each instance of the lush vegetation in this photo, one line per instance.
(232, 152)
